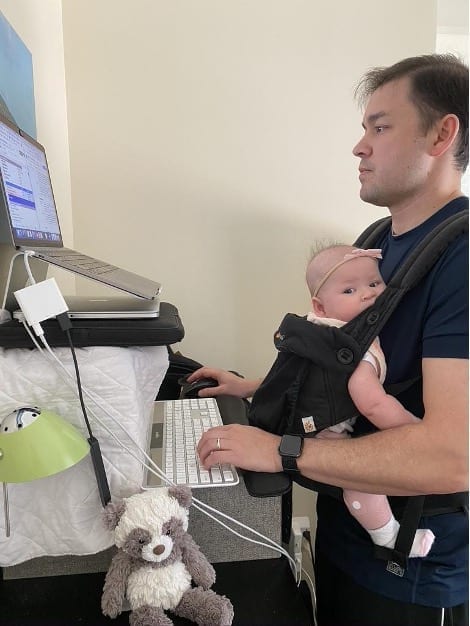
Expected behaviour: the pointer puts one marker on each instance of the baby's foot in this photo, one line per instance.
(422, 543)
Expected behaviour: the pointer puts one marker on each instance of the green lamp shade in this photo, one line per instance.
(42, 448)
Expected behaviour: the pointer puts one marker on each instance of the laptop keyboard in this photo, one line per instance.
(184, 423)
(77, 260)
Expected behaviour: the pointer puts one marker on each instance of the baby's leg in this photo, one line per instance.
(371, 511)
(374, 514)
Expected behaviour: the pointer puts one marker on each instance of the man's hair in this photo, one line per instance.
(439, 86)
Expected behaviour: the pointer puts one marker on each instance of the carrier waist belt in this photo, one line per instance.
(435, 504)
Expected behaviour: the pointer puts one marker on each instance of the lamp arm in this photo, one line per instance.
(6, 509)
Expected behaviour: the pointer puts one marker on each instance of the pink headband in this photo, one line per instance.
(372, 253)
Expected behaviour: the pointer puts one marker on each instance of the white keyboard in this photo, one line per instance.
(183, 425)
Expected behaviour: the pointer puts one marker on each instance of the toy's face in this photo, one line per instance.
(18, 419)
(157, 546)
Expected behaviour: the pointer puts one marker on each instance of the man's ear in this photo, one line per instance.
(444, 134)
(318, 307)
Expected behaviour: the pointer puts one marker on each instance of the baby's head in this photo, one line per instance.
(343, 281)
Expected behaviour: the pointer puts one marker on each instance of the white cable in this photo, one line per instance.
(199, 505)
(311, 586)
(308, 540)
(10, 270)
(309, 578)
(54, 360)
(276, 547)
(25, 255)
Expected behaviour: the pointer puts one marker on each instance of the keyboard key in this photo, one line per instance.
(228, 475)
(216, 475)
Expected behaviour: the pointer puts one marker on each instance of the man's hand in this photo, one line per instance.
(245, 447)
(229, 384)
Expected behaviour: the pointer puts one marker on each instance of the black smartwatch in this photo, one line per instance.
(290, 449)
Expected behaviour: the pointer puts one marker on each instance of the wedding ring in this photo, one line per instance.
(218, 443)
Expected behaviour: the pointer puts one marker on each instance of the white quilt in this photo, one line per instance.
(62, 514)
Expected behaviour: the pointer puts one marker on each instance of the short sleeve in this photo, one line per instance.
(445, 329)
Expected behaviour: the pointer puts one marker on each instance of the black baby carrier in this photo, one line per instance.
(306, 390)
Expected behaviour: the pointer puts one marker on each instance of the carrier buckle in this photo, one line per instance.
(395, 568)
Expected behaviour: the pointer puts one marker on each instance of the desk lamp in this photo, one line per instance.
(36, 443)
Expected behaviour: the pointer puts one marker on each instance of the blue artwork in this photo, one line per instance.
(16, 80)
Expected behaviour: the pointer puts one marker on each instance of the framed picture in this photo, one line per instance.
(16, 79)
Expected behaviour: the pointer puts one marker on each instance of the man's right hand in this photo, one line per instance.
(229, 384)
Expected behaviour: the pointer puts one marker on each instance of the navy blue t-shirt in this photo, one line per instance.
(431, 321)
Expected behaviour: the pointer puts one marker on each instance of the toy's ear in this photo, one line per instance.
(182, 493)
(113, 513)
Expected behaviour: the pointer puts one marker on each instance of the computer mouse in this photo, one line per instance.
(191, 390)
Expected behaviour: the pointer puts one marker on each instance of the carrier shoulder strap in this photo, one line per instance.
(373, 233)
(366, 326)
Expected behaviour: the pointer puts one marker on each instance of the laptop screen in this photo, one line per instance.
(27, 190)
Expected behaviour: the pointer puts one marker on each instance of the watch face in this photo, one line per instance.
(291, 445)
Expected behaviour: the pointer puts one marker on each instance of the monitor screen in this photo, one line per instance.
(27, 189)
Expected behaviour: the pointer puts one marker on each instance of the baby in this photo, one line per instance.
(343, 281)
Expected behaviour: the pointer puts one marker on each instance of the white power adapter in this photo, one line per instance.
(40, 302)
(299, 525)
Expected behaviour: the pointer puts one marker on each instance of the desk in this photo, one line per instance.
(262, 592)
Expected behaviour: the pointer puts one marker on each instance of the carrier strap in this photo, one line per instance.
(397, 557)
(415, 508)
(373, 233)
(366, 326)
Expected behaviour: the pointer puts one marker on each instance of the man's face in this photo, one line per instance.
(394, 162)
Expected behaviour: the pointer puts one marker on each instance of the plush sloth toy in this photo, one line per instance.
(157, 560)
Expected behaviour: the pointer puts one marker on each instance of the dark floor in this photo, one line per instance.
(263, 593)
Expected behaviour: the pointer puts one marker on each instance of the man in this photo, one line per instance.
(412, 155)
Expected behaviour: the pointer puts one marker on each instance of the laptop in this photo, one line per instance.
(29, 220)
(113, 307)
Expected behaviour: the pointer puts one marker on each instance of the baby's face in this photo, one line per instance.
(352, 288)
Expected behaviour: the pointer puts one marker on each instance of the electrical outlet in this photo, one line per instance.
(299, 525)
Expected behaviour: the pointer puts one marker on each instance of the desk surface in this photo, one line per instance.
(263, 594)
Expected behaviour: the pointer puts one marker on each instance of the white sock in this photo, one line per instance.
(387, 535)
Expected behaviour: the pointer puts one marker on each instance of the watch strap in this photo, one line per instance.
(289, 464)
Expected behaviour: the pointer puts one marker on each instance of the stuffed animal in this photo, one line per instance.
(156, 560)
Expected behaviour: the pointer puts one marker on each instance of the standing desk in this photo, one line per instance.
(262, 589)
